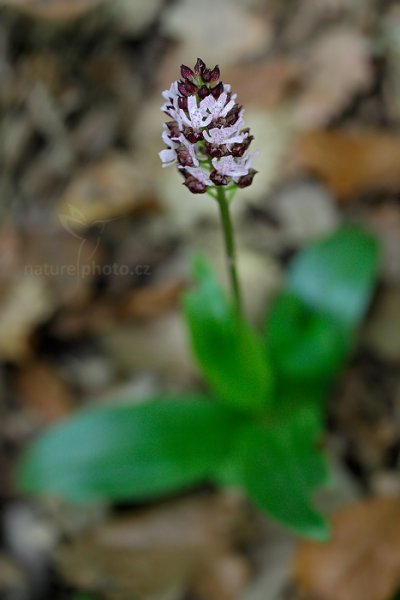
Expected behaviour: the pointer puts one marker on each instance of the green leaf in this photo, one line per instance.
(130, 451)
(335, 276)
(282, 464)
(228, 351)
(303, 343)
(300, 408)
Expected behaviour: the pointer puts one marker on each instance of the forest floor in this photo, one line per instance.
(95, 246)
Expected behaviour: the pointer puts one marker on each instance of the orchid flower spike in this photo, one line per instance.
(205, 135)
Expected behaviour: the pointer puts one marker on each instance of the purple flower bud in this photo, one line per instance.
(199, 66)
(184, 157)
(194, 185)
(215, 151)
(182, 89)
(187, 73)
(206, 75)
(233, 114)
(187, 88)
(219, 122)
(218, 178)
(191, 135)
(203, 92)
(183, 103)
(191, 87)
(247, 180)
(238, 150)
(215, 74)
(173, 129)
(217, 90)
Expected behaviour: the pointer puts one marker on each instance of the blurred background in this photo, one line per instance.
(95, 241)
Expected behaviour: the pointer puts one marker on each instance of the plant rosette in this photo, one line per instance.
(260, 426)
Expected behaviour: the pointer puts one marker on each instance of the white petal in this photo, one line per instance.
(196, 114)
(168, 157)
(191, 149)
(238, 139)
(184, 118)
(207, 103)
(227, 108)
(199, 174)
(225, 135)
(220, 103)
(208, 137)
(222, 165)
(166, 139)
(228, 166)
(192, 105)
(218, 136)
(172, 92)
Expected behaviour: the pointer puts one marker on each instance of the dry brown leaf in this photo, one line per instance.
(155, 550)
(361, 562)
(92, 319)
(351, 162)
(133, 16)
(391, 42)
(308, 19)
(384, 221)
(10, 250)
(149, 302)
(363, 416)
(12, 578)
(382, 328)
(103, 191)
(263, 85)
(232, 34)
(344, 52)
(24, 304)
(43, 391)
(64, 261)
(153, 300)
(54, 10)
(159, 346)
(222, 579)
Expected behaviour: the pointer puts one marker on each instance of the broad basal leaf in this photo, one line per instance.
(336, 275)
(129, 451)
(303, 343)
(283, 465)
(228, 351)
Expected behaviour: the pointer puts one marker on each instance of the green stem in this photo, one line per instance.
(230, 248)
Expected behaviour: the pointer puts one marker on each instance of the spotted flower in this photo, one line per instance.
(224, 135)
(205, 137)
(196, 116)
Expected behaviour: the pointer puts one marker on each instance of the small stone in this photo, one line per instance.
(305, 210)
(248, 33)
(385, 483)
(102, 191)
(381, 332)
(159, 346)
(26, 303)
(133, 16)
